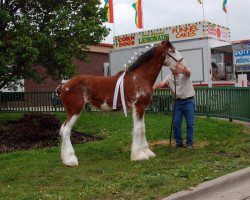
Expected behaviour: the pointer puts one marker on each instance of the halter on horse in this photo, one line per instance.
(98, 92)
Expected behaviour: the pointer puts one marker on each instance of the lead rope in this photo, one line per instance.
(120, 85)
(172, 123)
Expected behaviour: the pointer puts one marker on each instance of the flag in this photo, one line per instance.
(110, 15)
(225, 6)
(200, 1)
(138, 13)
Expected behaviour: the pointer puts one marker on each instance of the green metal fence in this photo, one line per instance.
(30, 102)
(224, 102)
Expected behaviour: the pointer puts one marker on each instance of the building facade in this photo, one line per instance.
(98, 56)
(242, 58)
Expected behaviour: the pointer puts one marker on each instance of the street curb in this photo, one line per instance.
(206, 189)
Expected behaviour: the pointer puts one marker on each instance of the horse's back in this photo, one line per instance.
(99, 90)
(82, 89)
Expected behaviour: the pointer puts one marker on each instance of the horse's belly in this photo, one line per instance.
(108, 106)
(101, 105)
(105, 106)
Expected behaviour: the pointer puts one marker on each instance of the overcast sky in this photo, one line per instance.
(164, 13)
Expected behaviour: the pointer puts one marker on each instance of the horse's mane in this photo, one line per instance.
(143, 58)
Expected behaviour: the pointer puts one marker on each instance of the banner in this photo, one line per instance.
(224, 6)
(110, 14)
(138, 13)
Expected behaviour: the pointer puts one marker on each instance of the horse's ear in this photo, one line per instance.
(165, 41)
(166, 44)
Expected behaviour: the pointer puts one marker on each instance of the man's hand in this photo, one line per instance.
(182, 69)
(159, 85)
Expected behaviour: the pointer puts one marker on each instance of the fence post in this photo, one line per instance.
(230, 117)
(28, 97)
(207, 102)
(56, 101)
(0, 101)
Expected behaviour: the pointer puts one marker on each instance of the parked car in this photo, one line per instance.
(56, 100)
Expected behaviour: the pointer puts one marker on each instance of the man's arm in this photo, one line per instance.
(161, 84)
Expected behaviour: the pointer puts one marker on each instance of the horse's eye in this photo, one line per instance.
(172, 50)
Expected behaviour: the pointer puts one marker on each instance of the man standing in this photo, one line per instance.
(184, 104)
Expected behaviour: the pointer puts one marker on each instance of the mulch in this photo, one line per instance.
(11, 140)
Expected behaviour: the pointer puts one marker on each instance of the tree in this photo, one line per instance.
(46, 33)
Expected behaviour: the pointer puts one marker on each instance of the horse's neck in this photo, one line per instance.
(150, 70)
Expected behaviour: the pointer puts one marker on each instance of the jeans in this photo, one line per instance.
(186, 108)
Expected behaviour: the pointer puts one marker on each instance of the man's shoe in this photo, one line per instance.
(189, 146)
(178, 145)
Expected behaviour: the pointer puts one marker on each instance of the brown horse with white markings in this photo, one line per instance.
(98, 92)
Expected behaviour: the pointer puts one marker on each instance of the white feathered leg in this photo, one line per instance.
(145, 148)
(67, 151)
(139, 127)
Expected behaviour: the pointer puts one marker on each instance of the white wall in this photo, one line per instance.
(19, 88)
(121, 56)
(195, 53)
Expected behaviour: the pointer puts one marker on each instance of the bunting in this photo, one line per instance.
(225, 6)
(109, 6)
(138, 13)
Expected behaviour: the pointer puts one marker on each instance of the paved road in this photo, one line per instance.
(234, 186)
(239, 191)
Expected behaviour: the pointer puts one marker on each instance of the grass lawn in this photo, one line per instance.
(105, 170)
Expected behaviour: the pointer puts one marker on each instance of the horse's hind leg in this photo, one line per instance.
(74, 102)
(67, 151)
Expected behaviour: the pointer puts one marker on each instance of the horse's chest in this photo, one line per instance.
(141, 95)
(140, 89)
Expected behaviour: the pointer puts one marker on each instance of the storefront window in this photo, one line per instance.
(221, 71)
(218, 67)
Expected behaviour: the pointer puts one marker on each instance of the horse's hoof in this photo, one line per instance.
(139, 156)
(71, 162)
(150, 153)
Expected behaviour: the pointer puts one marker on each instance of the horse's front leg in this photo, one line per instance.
(140, 150)
(144, 145)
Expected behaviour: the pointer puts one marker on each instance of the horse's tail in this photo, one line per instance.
(59, 89)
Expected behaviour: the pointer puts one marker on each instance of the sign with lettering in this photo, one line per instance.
(125, 41)
(242, 54)
(217, 32)
(141, 38)
(187, 31)
(196, 30)
(152, 37)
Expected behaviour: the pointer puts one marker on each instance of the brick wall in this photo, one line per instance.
(94, 67)
(48, 86)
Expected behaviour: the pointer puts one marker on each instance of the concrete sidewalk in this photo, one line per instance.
(234, 186)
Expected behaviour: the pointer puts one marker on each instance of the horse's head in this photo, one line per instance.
(172, 57)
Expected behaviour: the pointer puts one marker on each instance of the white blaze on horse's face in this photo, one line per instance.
(173, 58)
